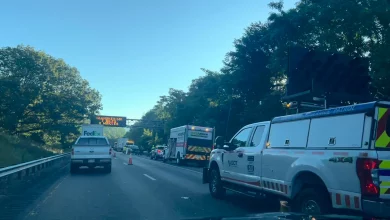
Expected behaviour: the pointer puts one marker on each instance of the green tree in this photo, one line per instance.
(42, 97)
(249, 86)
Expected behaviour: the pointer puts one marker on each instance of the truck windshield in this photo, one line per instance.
(92, 141)
(199, 142)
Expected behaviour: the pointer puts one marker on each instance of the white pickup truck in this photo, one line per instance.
(91, 151)
(318, 161)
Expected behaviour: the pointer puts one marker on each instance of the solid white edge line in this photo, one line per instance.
(124, 163)
(172, 165)
(149, 177)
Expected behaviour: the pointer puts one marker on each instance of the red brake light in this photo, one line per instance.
(367, 171)
(158, 151)
(213, 146)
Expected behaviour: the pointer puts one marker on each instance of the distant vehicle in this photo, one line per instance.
(91, 152)
(189, 143)
(121, 142)
(158, 152)
(130, 148)
(92, 130)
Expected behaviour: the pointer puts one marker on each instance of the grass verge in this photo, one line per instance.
(15, 150)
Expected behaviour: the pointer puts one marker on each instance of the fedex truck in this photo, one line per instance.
(92, 130)
(189, 143)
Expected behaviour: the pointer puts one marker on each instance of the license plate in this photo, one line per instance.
(91, 161)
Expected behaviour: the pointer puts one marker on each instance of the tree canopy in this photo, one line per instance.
(42, 97)
(249, 86)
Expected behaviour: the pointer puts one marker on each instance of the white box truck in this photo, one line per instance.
(189, 143)
(120, 144)
(92, 130)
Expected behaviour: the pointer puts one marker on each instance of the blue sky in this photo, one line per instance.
(132, 51)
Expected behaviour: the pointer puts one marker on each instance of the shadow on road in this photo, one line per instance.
(252, 205)
(98, 171)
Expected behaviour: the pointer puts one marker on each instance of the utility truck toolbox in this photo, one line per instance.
(334, 158)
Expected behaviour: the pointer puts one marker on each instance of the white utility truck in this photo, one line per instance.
(120, 144)
(335, 158)
(92, 130)
(189, 143)
(91, 151)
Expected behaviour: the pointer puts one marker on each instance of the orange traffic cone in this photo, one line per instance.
(130, 160)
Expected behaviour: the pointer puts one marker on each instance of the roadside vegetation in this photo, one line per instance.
(43, 101)
(249, 86)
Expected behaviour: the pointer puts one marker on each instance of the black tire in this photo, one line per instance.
(313, 201)
(73, 168)
(107, 169)
(178, 160)
(215, 184)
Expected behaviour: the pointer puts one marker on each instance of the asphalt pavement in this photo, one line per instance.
(147, 189)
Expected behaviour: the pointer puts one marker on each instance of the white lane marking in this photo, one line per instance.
(125, 163)
(149, 177)
(184, 197)
(172, 165)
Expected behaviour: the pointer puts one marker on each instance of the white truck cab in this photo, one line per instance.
(334, 158)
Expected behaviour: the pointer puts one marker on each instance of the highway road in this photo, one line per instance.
(145, 190)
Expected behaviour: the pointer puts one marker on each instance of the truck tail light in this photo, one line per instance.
(367, 171)
(110, 151)
(159, 151)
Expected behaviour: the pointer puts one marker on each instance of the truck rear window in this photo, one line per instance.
(92, 141)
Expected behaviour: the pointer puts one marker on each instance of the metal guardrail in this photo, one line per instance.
(19, 167)
(23, 178)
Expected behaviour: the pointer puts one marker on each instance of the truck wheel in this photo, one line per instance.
(107, 168)
(215, 185)
(73, 168)
(178, 160)
(314, 201)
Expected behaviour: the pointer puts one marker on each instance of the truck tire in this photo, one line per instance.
(178, 160)
(215, 184)
(73, 168)
(107, 168)
(312, 201)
